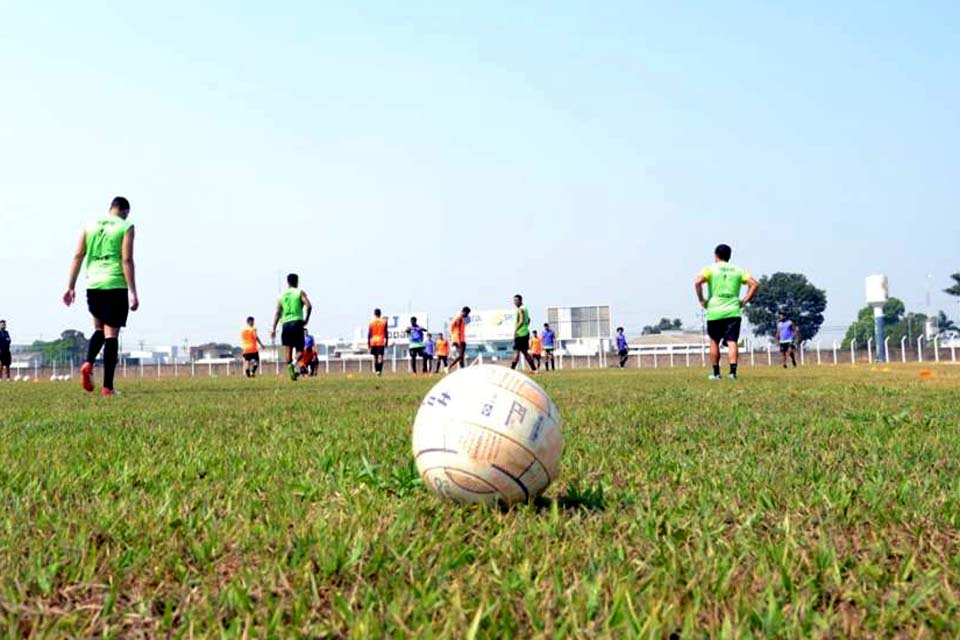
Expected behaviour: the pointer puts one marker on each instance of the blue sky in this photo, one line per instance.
(409, 155)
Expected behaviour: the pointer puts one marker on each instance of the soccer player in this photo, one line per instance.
(623, 349)
(429, 349)
(724, 305)
(458, 335)
(251, 344)
(417, 346)
(443, 351)
(549, 344)
(536, 347)
(788, 336)
(309, 359)
(6, 358)
(293, 312)
(521, 335)
(106, 247)
(377, 340)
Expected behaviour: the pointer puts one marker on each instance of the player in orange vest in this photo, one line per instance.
(458, 336)
(536, 348)
(443, 351)
(251, 344)
(377, 340)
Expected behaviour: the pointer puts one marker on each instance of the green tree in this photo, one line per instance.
(893, 316)
(944, 323)
(792, 294)
(954, 289)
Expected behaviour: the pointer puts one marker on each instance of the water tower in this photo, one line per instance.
(877, 295)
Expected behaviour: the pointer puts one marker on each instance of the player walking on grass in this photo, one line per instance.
(293, 313)
(429, 350)
(458, 335)
(536, 347)
(251, 344)
(106, 248)
(6, 358)
(521, 335)
(443, 352)
(417, 345)
(724, 305)
(549, 344)
(623, 349)
(788, 336)
(377, 340)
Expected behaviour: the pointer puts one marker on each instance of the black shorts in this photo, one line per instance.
(785, 347)
(427, 356)
(724, 330)
(623, 352)
(292, 335)
(521, 343)
(5, 358)
(252, 357)
(377, 351)
(109, 306)
(418, 352)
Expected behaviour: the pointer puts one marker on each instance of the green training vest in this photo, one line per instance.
(523, 328)
(291, 306)
(724, 281)
(105, 253)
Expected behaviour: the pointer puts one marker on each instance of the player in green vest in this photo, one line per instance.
(293, 312)
(106, 247)
(723, 305)
(521, 335)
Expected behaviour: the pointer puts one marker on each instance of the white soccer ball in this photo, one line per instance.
(487, 434)
(17, 378)
(25, 378)
(54, 378)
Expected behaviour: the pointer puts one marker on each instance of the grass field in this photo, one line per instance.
(813, 503)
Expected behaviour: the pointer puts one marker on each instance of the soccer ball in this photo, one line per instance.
(18, 378)
(487, 434)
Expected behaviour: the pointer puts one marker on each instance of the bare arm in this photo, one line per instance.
(76, 262)
(752, 285)
(796, 332)
(129, 272)
(307, 306)
(259, 341)
(276, 321)
(698, 283)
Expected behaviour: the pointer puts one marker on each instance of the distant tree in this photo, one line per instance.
(72, 345)
(677, 324)
(896, 323)
(944, 323)
(792, 294)
(954, 289)
(649, 330)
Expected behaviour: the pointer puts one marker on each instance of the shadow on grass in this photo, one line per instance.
(575, 498)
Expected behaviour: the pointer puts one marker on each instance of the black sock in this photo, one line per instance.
(733, 368)
(794, 360)
(94, 346)
(716, 370)
(111, 351)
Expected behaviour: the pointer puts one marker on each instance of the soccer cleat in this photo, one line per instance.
(108, 393)
(293, 372)
(713, 377)
(86, 377)
(733, 377)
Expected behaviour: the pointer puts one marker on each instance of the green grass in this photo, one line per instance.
(815, 503)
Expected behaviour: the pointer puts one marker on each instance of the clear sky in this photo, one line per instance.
(428, 155)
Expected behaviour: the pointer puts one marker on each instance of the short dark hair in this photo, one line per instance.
(534, 332)
(465, 310)
(377, 312)
(249, 318)
(293, 280)
(723, 251)
(120, 203)
(518, 296)
(619, 329)
(546, 324)
(413, 319)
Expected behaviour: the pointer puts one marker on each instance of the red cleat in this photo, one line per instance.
(86, 377)
(107, 393)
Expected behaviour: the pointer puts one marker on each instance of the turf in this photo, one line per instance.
(821, 502)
